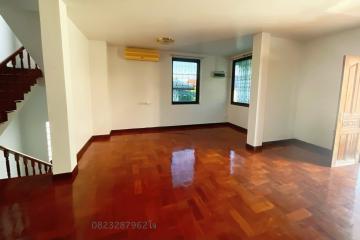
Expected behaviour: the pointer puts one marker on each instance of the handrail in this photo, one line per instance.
(19, 55)
(42, 166)
(11, 57)
(24, 155)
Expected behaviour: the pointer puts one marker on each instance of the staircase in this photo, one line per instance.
(18, 73)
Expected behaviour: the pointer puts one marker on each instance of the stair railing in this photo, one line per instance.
(25, 165)
(18, 60)
(18, 73)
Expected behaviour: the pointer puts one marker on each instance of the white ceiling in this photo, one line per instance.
(209, 26)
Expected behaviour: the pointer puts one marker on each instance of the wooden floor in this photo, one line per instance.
(190, 184)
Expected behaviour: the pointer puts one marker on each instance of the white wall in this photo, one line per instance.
(283, 72)
(25, 129)
(80, 87)
(11, 137)
(33, 116)
(319, 86)
(9, 43)
(101, 113)
(238, 115)
(141, 93)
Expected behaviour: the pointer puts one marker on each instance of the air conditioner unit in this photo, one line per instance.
(218, 74)
(141, 54)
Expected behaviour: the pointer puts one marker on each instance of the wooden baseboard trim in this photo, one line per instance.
(88, 143)
(101, 138)
(83, 149)
(253, 148)
(166, 128)
(278, 143)
(312, 147)
(294, 141)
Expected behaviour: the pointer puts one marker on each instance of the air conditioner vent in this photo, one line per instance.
(142, 54)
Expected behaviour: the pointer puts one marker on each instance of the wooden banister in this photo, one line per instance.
(25, 159)
(19, 54)
(11, 57)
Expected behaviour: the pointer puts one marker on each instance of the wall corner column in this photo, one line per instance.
(260, 59)
(55, 47)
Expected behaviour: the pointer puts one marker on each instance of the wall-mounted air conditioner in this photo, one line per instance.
(218, 74)
(141, 54)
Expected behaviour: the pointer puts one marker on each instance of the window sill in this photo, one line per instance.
(240, 104)
(185, 103)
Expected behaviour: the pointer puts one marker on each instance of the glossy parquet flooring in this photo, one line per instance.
(193, 184)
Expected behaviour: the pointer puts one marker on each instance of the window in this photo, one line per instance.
(185, 81)
(48, 140)
(241, 81)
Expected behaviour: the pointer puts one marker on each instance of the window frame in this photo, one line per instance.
(197, 95)
(233, 81)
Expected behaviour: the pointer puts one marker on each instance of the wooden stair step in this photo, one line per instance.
(3, 117)
(16, 81)
(16, 84)
(6, 105)
(12, 95)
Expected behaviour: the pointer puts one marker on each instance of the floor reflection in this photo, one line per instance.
(182, 167)
(12, 221)
(232, 161)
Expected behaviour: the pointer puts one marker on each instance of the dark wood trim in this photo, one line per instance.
(312, 147)
(233, 80)
(83, 149)
(239, 104)
(291, 141)
(237, 128)
(88, 143)
(278, 143)
(101, 138)
(167, 128)
(253, 148)
(300, 143)
(184, 103)
(198, 62)
(12, 56)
